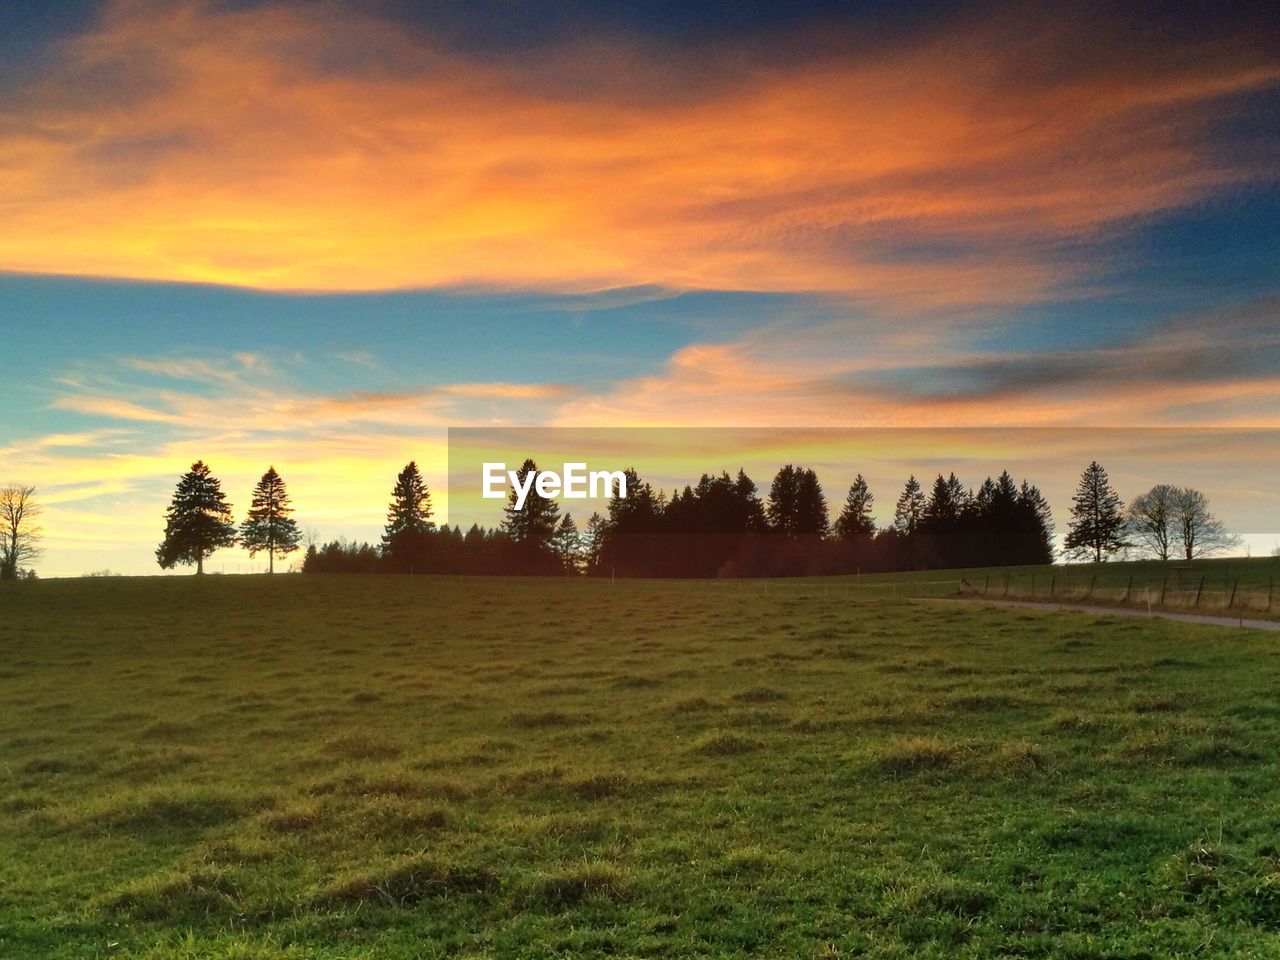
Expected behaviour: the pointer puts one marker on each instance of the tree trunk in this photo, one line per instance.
(271, 561)
(199, 565)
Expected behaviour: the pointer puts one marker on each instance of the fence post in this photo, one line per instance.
(1053, 585)
(1006, 585)
(1128, 590)
(1199, 590)
(1234, 583)
(1163, 587)
(986, 585)
(1092, 581)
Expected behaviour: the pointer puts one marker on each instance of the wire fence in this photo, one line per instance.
(1175, 593)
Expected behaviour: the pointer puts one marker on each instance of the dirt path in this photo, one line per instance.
(1119, 611)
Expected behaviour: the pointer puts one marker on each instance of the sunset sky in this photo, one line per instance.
(316, 235)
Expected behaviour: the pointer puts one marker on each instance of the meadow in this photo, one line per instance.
(396, 767)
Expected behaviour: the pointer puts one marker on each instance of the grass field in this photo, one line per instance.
(393, 767)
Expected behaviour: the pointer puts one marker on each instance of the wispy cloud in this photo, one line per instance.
(250, 145)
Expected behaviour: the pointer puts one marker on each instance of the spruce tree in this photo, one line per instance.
(1097, 523)
(910, 507)
(855, 519)
(197, 522)
(783, 510)
(268, 527)
(812, 518)
(537, 521)
(568, 545)
(408, 520)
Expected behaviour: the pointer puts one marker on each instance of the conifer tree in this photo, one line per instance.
(537, 521)
(197, 522)
(910, 507)
(1097, 524)
(855, 519)
(410, 509)
(408, 519)
(783, 510)
(268, 527)
(812, 518)
(567, 544)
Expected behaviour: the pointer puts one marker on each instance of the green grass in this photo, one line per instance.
(380, 767)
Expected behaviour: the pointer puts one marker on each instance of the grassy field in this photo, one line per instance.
(382, 767)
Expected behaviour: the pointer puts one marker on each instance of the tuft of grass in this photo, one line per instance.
(915, 755)
(571, 886)
(406, 881)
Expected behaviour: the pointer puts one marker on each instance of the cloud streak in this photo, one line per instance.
(268, 146)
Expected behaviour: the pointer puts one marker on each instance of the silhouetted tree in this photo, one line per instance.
(1097, 525)
(1196, 529)
(535, 523)
(567, 544)
(812, 518)
(405, 536)
(855, 519)
(19, 535)
(1037, 525)
(783, 510)
(268, 527)
(910, 508)
(197, 522)
(1151, 521)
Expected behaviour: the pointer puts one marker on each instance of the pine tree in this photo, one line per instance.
(268, 527)
(783, 510)
(568, 545)
(910, 507)
(408, 520)
(855, 519)
(1037, 525)
(537, 521)
(410, 509)
(197, 522)
(753, 517)
(812, 518)
(1097, 523)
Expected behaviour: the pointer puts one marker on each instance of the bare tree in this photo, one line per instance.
(19, 535)
(1199, 532)
(1150, 521)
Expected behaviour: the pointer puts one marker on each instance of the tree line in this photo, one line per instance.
(720, 526)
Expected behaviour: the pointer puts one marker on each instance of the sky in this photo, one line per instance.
(317, 235)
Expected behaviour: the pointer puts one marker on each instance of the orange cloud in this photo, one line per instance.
(184, 141)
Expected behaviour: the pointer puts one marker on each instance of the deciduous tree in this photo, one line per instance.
(1197, 531)
(19, 534)
(1150, 520)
